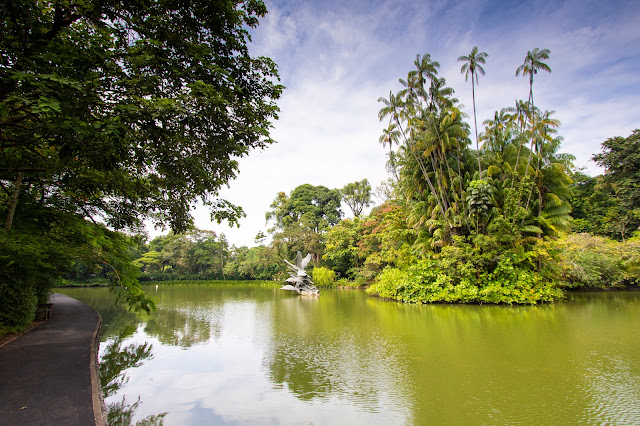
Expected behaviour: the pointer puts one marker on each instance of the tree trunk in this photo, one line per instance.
(222, 266)
(14, 201)
(540, 206)
(475, 122)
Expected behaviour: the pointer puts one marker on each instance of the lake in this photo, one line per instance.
(254, 354)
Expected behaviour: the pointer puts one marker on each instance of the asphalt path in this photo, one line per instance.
(48, 376)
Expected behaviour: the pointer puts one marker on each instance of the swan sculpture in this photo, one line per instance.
(298, 280)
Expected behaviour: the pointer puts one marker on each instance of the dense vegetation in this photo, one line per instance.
(487, 222)
(487, 225)
(112, 113)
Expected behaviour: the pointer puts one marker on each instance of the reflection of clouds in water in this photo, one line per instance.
(226, 380)
(273, 357)
(323, 358)
(615, 388)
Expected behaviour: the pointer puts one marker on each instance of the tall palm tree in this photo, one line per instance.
(395, 109)
(519, 116)
(426, 69)
(531, 65)
(472, 65)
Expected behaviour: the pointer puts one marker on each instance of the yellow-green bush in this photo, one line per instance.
(323, 277)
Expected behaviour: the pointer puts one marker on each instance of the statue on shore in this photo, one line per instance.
(298, 279)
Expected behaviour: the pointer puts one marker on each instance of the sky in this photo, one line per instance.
(336, 58)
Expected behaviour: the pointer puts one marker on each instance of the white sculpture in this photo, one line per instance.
(298, 280)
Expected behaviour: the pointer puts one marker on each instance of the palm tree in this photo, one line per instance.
(426, 69)
(391, 136)
(532, 63)
(395, 108)
(472, 66)
(519, 115)
(441, 96)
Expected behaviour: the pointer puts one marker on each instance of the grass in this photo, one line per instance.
(262, 283)
(91, 282)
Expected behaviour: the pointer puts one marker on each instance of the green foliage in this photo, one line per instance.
(45, 245)
(132, 110)
(255, 263)
(586, 262)
(477, 217)
(621, 159)
(301, 220)
(200, 255)
(363, 247)
(479, 202)
(315, 207)
(463, 273)
(323, 277)
(357, 283)
(357, 195)
(341, 248)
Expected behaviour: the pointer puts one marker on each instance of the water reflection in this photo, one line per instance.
(115, 361)
(178, 327)
(238, 355)
(318, 351)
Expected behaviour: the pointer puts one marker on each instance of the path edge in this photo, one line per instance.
(96, 391)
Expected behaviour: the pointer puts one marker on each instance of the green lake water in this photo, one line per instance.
(254, 354)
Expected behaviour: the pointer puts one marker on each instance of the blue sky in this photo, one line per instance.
(336, 58)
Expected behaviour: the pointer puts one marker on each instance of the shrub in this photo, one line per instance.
(586, 262)
(481, 270)
(323, 277)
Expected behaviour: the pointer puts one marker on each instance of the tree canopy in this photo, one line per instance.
(621, 159)
(314, 207)
(357, 195)
(123, 110)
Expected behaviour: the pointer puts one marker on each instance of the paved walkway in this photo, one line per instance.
(48, 376)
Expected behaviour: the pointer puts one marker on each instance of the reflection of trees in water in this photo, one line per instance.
(179, 328)
(114, 363)
(297, 367)
(121, 413)
(323, 349)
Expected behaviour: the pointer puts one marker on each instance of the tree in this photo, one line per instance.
(472, 66)
(128, 111)
(314, 207)
(621, 159)
(114, 112)
(342, 249)
(531, 65)
(302, 219)
(357, 196)
(595, 208)
(433, 140)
